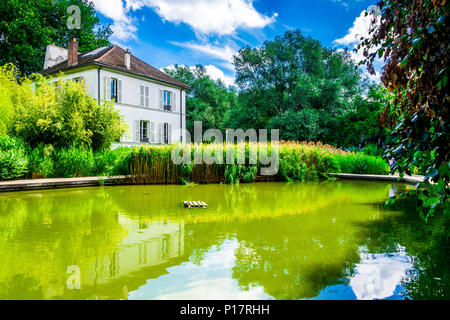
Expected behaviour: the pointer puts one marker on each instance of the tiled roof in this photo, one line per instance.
(113, 57)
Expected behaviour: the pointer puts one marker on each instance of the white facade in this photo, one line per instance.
(154, 111)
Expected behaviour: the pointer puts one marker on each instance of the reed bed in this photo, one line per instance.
(298, 161)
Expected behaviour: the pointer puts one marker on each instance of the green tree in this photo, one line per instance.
(57, 112)
(208, 101)
(361, 125)
(28, 26)
(413, 39)
(294, 84)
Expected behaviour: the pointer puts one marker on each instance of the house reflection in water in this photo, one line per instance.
(145, 252)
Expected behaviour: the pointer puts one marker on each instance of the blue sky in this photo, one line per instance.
(209, 32)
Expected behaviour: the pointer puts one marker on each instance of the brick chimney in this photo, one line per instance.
(72, 55)
(128, 59)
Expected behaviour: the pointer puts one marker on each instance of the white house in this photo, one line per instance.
(151, 102)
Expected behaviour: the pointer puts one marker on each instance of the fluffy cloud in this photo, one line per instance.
(216, 74)
(220, 17)
(123, 24)
(360, 28)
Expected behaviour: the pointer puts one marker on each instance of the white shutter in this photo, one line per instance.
(147, 99)
(161, 98)
(161, 133)
(119, 91)
(169, 133)
(142, 95)
(174, 102)
(152, 132)
(107, 89)
(137, 131)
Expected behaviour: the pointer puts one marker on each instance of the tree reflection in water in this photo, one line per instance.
(268, 240)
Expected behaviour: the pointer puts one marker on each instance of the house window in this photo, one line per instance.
(166, 133)
(144, 131)
(167, 100)
(145, 96)
(78, 79)
(114, 89)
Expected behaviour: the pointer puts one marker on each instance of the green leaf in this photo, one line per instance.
(404, 62)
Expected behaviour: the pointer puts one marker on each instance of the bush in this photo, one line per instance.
(13, 164)
(13, 159)
(360, 163)
(111, 163)
(74, 162)
(56, 112)
(41, 163)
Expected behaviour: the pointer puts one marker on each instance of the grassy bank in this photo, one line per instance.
(153, 164)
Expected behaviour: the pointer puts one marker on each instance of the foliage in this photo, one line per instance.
(57, 112)
(297, 162)
(360, 125)
(360, 163)
(294, 84)
(74, 162)
(207, 101)
(41, 162)
(13, 160)
(28, 26)
(412, 36)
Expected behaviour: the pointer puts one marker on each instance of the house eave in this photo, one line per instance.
(105, 66)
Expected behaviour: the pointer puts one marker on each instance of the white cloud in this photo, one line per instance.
(123, 24)
(220, 17)
(360, 28)
(216, 74)
(378, 275)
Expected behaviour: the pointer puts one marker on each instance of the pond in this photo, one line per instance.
(315, 240)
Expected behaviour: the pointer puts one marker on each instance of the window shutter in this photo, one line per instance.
(142, 95)
(174, 102)
(137, 131)
(107, 89)
(119, 91)
(152, 132)
(147, 99)
(169, 133)
(161, 133)
(161, 102)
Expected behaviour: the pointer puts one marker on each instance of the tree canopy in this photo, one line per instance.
(28, 26)
(296, 85)
(208, 101)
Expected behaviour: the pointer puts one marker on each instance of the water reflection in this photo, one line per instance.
(256, 241)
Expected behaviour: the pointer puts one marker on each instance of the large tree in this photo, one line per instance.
(296, 85)
(412, 36)
(28, 26)
(208, 101)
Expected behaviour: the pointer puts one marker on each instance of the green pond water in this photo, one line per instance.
(318, 240)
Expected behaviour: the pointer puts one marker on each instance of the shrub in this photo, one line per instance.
(74, 162)
(359, 163)
(13, 160)
(41, 164)
(56, 112)
(13, 164)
